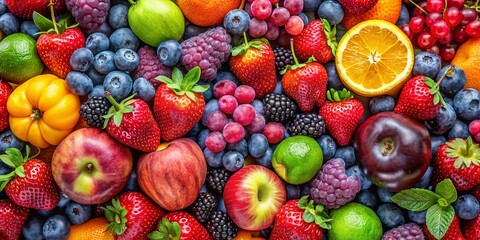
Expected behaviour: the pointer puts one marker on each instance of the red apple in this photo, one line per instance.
(253, 195)
(173, 175)
(91, 167)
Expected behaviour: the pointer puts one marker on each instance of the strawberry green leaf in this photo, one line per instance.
(338, 96)
(415, 199)
(156, 235)
(331, 35)
(200, 88)
(177, 76)
(20, 171)
(116, 214)
(190, 95)
(303, 202)
(465, 152)
(447, 190)
(15, 156)
(164, 79)
(43, 24)
(187, 85)
(6, 159)
(439, 220)
(166, 230)
(308, 217)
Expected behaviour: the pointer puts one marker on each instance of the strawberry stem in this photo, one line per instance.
(417, 6)
(246, 40)
(293, 52)
(112, 101)
(450, 67)
(52, 15)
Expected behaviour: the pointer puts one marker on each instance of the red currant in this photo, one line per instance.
(426, 40)
(446, 40)
(406, 29)
(435, 5)
(440, 29)
(416, 24)
(460, 34)
(473, 29)
(435, 49)
(469, 15)
(447, 53)
(452, 16)
(455, 3)
(417, 11)
(432, 18)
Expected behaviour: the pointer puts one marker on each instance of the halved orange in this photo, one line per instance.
(374, 58)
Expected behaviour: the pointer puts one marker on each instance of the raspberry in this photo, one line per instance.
(89, 14)
(207, 50)
(150, 67)
(332, 187)
(405, 231)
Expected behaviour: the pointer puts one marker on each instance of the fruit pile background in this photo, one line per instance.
(253, 119)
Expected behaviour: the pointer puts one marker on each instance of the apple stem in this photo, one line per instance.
(89, 167)
(293, 52)
(52, 15)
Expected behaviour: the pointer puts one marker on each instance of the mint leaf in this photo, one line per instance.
(415, 199)
(439, 220)
(447, 190)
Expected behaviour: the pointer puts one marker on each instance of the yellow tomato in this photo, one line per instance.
(43, 111)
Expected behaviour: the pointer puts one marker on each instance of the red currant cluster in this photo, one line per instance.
(441, 26)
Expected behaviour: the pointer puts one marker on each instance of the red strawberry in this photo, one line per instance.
(476, 192)
(253, 63)
(5, 90)
(12, 218)
(132, 123)
(453, 233)
(25, 8)
(357, 6)
(179, 225)
(179, 103)
(132, 216)
(420, 98)
(298, 218)
(459, 160)
(342, 115)
(318, 40)
(31, 183)
(471, 228)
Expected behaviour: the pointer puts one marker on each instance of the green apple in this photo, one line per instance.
(155, 21)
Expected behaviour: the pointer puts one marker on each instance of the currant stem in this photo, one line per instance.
(417, 6)
(293, 52)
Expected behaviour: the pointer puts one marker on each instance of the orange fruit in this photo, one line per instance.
(91, 229)
(374, 58)
(467, 58)
(207, 13)
(388, 10)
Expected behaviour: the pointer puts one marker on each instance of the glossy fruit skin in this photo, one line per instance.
(313, 42)
(416, 101)
(405, 151)
(471, 228)
(190, 227)
(453, 233)
(173, 175)
(12, 218)
(57, 113)
(92, 229)
(24, 9)
(5, 90)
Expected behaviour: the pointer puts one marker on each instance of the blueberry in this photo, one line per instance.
(444, 120)
(119, 84)
(204, 188)
(9, 140)
(29, 28)
(3, 7)
(202, 136)
(304, 18)
(447, 99)
(221, 205)
(195, 130)
(467, 207)
(207, 95)
(144, 89)
(436, 142)
(404, 17)
(258, 105)
(417, 217)
(104, 62)
(225, 75)
(266, 159)
(311, 5)
(236, 21)
(98, 90)
(78, 213)
(97, 42)
(233, 161)
(32, 229)
(278, 87)
(332, 11)
(213, 159)
(367, 198)
(8, 24)
(81, 59)
(103, 28)
(333, 78)
(169, 52)
(458, 130)
(293, 191)
(45, 213)
(328, 145)
(64, 200)
(124, 38)
(241, 147)
(454, 80)
(257, 145)
(384, 195)
(347, 154)
(192, 30)
(56, 227)
(210, 107)
(96, 77)
(79, 83)
(383, 103)
(426, 64)
(425, 180)
(132, 183)
(467, 104)
(390, 215)
(4, 168)
(118, 16)
(366, 183)
(126, 59)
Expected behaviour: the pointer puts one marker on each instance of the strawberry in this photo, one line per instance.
(25, 8)
(132, 123)
(30, 184)
(476, 192)
(453, 232)
(179, 103)
(179, 225)
(357, 6)
(132, 216)
(459, 160)
(5, 90)
(420, 98)
(471, 228)
(12, 218)
(57, 43)
(342, 115)
(317, 39)
(253, 63)
(300, 218)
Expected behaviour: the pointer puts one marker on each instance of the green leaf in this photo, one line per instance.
(191, 95)
(303, 202)
(415, 199)
(177, 76)
(15, 156)
(164, 79)
(6, 159)
(193, 76)
(200, 88)
(117, 119)
(439, 219)
(3, 184)
(156, 235)
(20, 171)
(308, 217)
(447, 190)
(43, 24)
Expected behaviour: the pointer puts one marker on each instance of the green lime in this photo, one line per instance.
(354, 221)
(19, 60)
(297, 159)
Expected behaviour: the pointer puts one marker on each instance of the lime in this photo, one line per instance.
(297, 159)
(354, 221)
(19, 60)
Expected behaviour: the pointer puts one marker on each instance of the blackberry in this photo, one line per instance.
(221, 227)
(204, 206)
(307, 124)
(283, 57)
(217, 178)
(406, 231)
(93, 109)
(279, 108)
